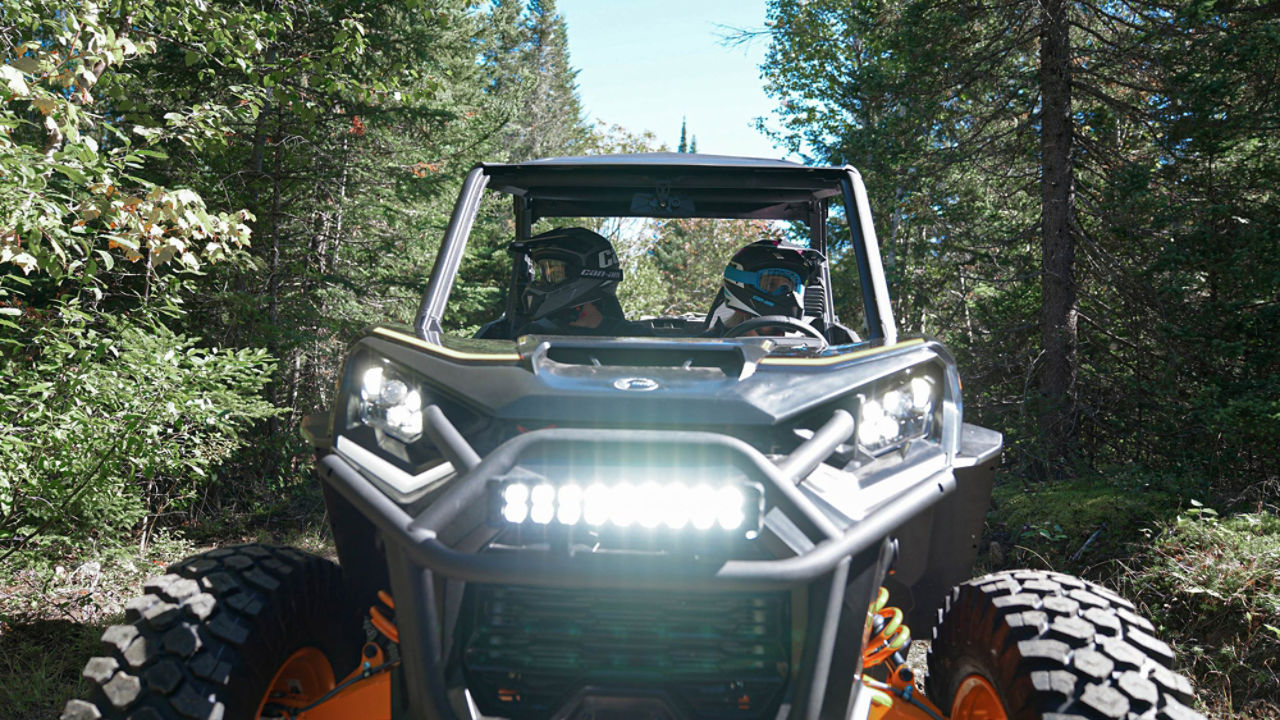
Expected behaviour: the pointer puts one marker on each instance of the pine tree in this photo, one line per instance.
(551, 122)
(938, 92)
(1113, 134)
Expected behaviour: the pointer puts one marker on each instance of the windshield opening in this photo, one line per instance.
(634, 276)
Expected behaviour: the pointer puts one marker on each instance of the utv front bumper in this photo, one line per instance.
(813, 591)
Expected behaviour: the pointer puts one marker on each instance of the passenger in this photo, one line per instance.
(573, 289)
(767, 277)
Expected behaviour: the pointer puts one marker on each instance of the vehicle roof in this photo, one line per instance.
(667, 185)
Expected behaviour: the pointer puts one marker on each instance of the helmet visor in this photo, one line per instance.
(769, 281)
(550, 271)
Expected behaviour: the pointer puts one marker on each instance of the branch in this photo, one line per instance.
(84, 482)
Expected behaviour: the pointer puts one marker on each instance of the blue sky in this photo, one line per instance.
(644, 64)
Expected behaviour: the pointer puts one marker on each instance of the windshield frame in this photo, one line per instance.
(602, 186)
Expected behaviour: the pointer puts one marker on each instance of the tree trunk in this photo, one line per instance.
(1057, 194)
(277, 166)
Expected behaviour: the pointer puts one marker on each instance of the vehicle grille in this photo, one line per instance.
(528, 650)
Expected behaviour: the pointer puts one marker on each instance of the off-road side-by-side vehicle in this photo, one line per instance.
(673, 525)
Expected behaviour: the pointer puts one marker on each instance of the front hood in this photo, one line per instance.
(643, 382)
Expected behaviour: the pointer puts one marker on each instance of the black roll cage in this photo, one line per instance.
(671, 185)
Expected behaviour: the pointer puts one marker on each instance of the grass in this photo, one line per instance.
(1212, 585)
(40, 663)
(1074, 525)
(55, 604)
(52, 612)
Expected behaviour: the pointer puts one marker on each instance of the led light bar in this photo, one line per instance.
(650, 505)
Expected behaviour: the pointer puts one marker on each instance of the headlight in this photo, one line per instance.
(388, 402)
(381, 428)
(900, 413)
(646, 506)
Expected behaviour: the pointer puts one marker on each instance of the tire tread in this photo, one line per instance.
(1057, 648)
(199, 635)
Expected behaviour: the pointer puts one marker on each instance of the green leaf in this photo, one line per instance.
(108, 260)
(13, 78)
(73, 174)
(27, 65)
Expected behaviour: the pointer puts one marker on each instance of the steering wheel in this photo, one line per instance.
(783, 321)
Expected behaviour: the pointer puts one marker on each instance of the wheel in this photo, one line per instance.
(223, 633)
(1032, 645)
(783, 321)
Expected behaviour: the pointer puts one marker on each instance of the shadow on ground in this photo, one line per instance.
(40, 663)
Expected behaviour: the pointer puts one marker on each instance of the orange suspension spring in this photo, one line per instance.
(887, 638)
(380, 621)
(890, 635)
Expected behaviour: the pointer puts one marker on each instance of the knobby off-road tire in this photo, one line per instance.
(1054, 647)
(207, 639)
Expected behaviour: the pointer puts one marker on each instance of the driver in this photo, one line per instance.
(767, 277)
(575, 275)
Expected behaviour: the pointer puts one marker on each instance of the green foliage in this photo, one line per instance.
(335, 133)
(644, 289)
(1212, 584)
(367, 116)
(111, 422)
(70, 193)
(691, 254)
(549, 121)
(937, 102)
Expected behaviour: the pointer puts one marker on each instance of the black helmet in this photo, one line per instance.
(570, 267)
(767, 277)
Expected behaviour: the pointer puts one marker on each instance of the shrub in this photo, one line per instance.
(106, 423)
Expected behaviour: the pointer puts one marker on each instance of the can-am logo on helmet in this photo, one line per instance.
(607, 274)
(636, 384)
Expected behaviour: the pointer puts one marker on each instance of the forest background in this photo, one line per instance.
(202, 202)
